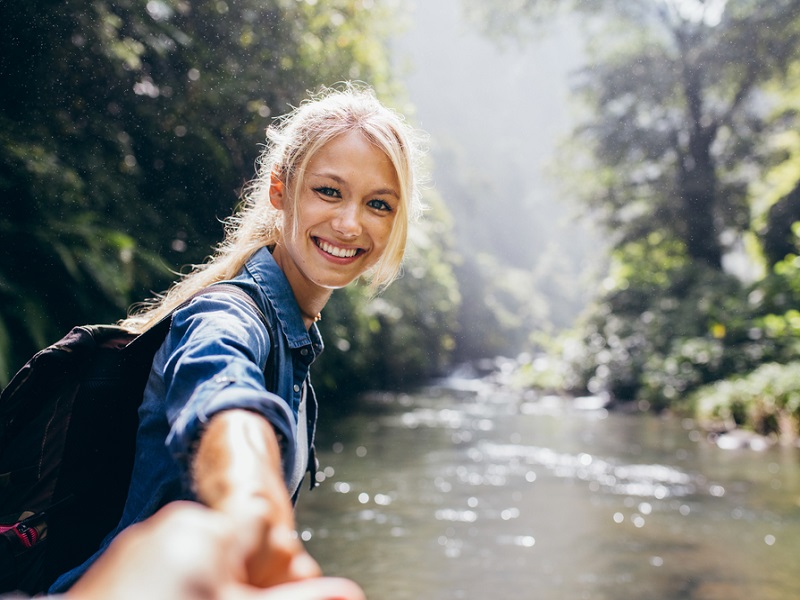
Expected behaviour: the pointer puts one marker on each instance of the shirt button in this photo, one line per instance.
(304, 351)
(296, 388)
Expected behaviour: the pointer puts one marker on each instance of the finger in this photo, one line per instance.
(269, 565)
(321, 588)
(303, 566)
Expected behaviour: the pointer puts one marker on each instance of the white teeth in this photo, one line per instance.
(338, 252)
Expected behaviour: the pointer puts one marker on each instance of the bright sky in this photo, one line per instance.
(708, 12)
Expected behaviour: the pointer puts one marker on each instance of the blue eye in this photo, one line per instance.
(328, 191)
(380, 205)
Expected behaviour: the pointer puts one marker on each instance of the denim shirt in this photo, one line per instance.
(212, 360)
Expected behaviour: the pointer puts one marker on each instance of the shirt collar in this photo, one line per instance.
(270, 278)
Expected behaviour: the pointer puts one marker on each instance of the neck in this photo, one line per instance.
(310, 319)
(311, 298)
(311, 307)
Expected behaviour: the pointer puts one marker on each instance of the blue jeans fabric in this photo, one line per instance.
(213, 360)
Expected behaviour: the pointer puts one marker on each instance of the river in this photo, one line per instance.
(476, 493)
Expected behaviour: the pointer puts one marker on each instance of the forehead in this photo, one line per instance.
(352, 156)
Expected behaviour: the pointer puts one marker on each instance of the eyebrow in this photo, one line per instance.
(339, 180)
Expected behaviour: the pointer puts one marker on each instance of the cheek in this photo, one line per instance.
(296, 221)
(313, 212)
(383, 231)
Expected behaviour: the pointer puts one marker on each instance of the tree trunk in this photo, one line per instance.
(697, 185)
(697, 179)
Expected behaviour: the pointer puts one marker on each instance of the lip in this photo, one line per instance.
(337, 252)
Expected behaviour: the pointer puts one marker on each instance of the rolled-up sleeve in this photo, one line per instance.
(217, 348)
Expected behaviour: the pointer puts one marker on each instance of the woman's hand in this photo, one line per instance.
(189, 552)
(237, 470)
(278, 556)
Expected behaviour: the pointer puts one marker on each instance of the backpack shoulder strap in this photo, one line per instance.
(152, 339)
(271, 368)
(230, 288)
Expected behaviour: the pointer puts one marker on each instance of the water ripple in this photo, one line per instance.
(643, 480)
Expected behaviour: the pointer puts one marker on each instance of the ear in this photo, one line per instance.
(277, 191)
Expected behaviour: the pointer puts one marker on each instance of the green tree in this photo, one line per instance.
(776, 193)
(675, 109)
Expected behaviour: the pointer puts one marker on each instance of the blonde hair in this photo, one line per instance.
(292, 141)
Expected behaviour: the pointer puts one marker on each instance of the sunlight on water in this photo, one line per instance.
(657, 481)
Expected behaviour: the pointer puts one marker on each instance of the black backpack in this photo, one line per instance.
(68, 423)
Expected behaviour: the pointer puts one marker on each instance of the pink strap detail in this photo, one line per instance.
(28, 536)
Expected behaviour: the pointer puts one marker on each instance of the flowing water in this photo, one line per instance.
(452, 494)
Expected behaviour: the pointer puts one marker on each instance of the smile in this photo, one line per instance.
(335, 250)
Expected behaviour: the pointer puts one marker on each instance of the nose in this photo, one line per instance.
(347, 221)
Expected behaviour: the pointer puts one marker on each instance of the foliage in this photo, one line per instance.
(766, 400)
(688, 159)
(637, 349)
(704, 326)
(127, 130)
(543, 372)
(678, 119)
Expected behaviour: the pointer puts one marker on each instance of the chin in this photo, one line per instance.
(335, 283)
(326, 282)
(329, 285)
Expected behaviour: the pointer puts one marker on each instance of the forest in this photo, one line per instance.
(128, 130)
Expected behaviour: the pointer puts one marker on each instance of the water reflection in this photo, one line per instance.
(657, 481)
(468, 494)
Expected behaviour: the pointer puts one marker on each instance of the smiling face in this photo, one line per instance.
(346, 207)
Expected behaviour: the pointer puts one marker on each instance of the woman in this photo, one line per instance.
(332, 201)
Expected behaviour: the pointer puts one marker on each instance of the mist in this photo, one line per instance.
(496, 112)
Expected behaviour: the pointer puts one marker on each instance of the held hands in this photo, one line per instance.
(278, 556)
(237, 470)
(188, 552)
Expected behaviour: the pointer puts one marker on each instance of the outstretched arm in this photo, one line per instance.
(237, 470)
